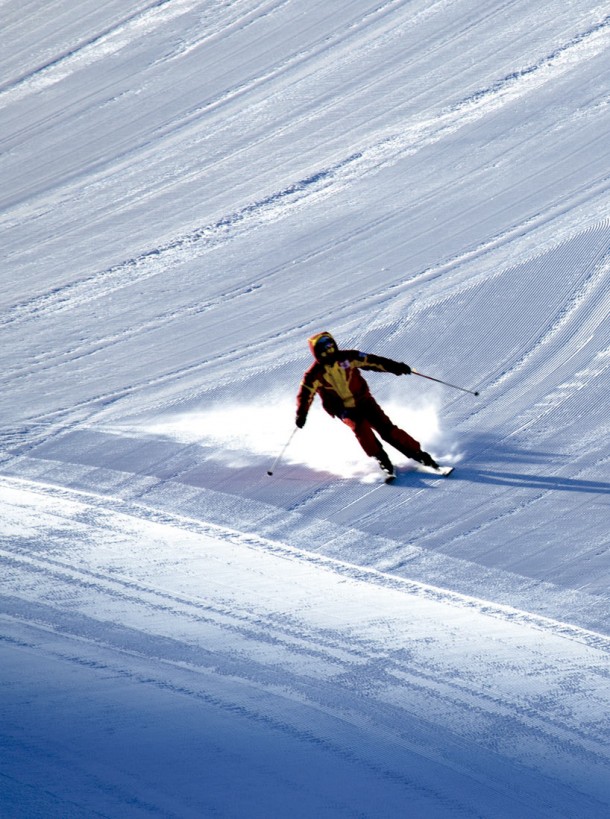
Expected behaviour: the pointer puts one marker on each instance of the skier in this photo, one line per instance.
(335, 377)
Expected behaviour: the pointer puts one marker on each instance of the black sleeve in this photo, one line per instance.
(370, 361)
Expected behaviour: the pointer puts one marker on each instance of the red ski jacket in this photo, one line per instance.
(339, 383)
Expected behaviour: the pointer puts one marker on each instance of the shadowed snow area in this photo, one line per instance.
(189, 190)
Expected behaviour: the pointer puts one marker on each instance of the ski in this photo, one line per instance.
(445, 471)
(440, 471)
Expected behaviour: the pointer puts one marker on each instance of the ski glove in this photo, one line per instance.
(404, 369)
(300, 420)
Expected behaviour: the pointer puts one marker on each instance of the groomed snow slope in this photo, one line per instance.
(189, 189)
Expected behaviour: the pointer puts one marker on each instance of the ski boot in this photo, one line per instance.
(386, 464)
(426, 459)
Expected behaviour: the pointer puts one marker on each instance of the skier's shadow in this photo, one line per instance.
(530, 481)
(506, 472)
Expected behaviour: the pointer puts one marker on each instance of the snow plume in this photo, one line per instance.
(245, 433)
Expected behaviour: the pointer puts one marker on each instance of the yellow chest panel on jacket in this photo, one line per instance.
(337, 377)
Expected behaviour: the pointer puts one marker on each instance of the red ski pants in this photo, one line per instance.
(367, 418)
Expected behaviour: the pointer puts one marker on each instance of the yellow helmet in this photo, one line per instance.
(323, 346)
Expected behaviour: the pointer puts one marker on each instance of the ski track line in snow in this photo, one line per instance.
(563, 392)
(186, 638)
(140, 25)
(386, 148)
(115, 38)
(179, 678)
(240, 622)
(59, 422)
(328, 42)
(149, 264)
(343, 51)
(156, 261)
(591, 292)
(227, 618)
(390, 33)
(536, 235)
(586, 306)
(51, 360)
(233, 156)
(383, 151)
(441, 690)
(219, 23)
(137, 510)
(176, 126)
(535, 247)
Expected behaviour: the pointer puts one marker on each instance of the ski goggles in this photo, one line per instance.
(325, 344)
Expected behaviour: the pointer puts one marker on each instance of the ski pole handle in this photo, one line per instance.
(446, 383)
(284, 448)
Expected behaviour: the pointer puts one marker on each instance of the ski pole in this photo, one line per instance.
(446, 383)
(284, 448)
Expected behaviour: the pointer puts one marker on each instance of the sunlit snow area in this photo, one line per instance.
(189, 190)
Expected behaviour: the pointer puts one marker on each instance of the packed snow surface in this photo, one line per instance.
(189, 189)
